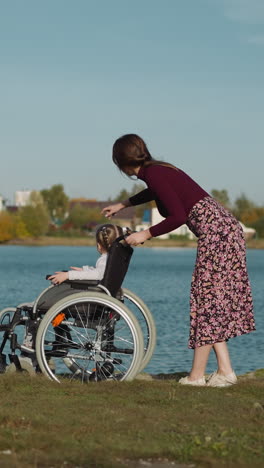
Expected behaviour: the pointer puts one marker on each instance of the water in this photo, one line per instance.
(161, 277)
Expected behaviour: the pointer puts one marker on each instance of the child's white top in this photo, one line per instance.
(89, 272)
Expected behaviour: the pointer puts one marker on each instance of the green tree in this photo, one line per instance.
(243, 209)
(124, 194)
(121, 196)
(81, 217)
(56, 201)
(19, 231)
(35, 216)
(222, 197)
(259, 226)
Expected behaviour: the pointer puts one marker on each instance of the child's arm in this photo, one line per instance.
(90, 273)
(85, 273)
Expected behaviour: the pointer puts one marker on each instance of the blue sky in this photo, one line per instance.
(187, 75)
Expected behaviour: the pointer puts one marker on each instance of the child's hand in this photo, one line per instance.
(76, 268)
(59, 277)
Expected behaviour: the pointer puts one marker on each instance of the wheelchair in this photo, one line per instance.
(81, 330)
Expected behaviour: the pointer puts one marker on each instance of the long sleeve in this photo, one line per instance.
(89, 272)
(176, 214)
(174, 192)
(144, 196)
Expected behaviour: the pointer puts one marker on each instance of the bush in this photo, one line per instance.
(35, 219)
(6, 227)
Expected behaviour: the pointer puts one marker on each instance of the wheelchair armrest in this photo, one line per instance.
(82, 284)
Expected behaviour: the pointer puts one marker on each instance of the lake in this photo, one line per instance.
(161, 277)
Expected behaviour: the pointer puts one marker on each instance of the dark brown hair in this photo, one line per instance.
(131, 151)
(106, 234)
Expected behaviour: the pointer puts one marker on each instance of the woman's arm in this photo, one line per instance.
(137, 238)
(111, 210)
(167, 195)
(144, 196)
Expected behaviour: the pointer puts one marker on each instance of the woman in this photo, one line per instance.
(221, 301)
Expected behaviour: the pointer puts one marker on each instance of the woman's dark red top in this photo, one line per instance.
(174, 192)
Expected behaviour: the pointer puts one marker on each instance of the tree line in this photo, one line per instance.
(50, 212)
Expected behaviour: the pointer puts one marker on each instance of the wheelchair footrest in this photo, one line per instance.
(56, 353)
(114, 349)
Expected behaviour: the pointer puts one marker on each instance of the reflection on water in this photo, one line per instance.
(161, 277)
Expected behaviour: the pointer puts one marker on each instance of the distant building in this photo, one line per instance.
(22, 197)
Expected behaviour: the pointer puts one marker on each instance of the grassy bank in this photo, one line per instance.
(108, 424)
(89, 241)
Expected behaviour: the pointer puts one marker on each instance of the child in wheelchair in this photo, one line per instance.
(105, 235)
(82, 327)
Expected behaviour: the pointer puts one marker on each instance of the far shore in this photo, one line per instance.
(89, 241)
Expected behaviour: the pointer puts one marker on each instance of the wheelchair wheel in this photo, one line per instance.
(89, 336)
(146, 322)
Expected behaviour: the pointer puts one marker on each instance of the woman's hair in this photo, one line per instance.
(131, 151)
(106, 234)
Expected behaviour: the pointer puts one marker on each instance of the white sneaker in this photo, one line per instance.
(198, 383)
(218, 380)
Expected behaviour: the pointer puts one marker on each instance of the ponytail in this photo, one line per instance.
(107, 234)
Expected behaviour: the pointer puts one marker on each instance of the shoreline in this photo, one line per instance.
(87, 242)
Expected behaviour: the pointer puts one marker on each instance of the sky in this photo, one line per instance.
(186, 75)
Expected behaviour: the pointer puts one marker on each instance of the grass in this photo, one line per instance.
(109, 424)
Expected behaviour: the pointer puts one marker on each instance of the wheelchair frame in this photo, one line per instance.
(95, 331)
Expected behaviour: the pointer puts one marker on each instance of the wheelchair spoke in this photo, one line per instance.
(95, 340)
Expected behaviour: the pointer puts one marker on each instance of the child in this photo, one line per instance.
(105, 236)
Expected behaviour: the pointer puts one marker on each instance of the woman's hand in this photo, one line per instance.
(59, 277)
(111, 210)
(76, 268)
(138, 237)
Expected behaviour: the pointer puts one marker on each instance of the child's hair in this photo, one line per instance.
(131, 151)
(106, 234)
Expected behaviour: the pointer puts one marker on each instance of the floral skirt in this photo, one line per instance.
(221, 300)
